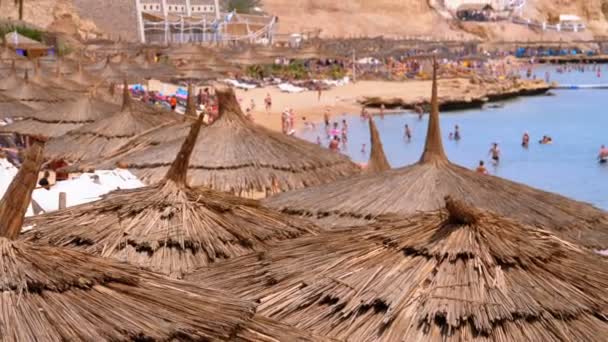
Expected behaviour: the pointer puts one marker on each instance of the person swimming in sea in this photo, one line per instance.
(603, 155)
(481, 168)
(495, 153)
(525, 140)
(546, 140)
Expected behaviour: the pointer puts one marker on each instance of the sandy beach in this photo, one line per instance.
(345, 99)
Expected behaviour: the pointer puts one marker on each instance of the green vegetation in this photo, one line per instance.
(296, 70)
(23, 30)
(241, 6)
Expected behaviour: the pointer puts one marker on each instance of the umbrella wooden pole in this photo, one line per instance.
(19, 193)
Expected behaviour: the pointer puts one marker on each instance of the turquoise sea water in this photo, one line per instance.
(577, 120)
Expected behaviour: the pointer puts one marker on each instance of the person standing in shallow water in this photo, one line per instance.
(495, 153)
(603, 155)
(525, 140)
(456, 133)
(408, 133)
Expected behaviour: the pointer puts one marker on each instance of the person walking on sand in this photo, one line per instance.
(173, 103)
(252, 105)
(495, 153)
(525, 140)
(481, 168)
(603, 155)
(319, 92)
(408, 133)
(268, 103)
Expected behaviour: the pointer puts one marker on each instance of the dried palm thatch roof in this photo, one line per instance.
(99, 138)
(12, 80)
(82, 77)
(164, 133)
(377, 161)
(458, 274)
(60, 118)
(235, 155)
(11, 108)
(57, 294)
(33, 95)
(422, 186)
(168, 227)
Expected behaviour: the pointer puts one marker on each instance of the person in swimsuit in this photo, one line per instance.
(495, 153)
(334, 144)
(268, 102)
(481, 168)
(456, 133)
(603, 155)
(525, 140)
(408, 133)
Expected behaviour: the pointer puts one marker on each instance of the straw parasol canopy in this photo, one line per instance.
(57, 294)
(11, 108)
(169, 227)
(60, 118)
(103, 136)
(422, 186)
(458, 274)
(82, 77)
(12, 80)
(377, 160)
(164, 133)
(235, 155)
(33, 95)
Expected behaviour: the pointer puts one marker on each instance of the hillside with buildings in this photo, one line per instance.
(353, 18)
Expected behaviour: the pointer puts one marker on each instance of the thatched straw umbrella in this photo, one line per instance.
(162, 134)
(82, 77)
(459, 274)
(12, 80)
(423, 185)
(168, 227)
(60, 118)
(57, 294)
(33, 95)
(377, 160)
(11, 108)
(235, 155)
(101, 137)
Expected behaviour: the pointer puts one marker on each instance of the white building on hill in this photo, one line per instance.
(198, 21)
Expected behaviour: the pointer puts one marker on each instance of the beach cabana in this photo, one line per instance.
(169, 227)
(99, 138)
(235, 155)
(422, 186)
(58, 294)
(60, 118)
(456, 274)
